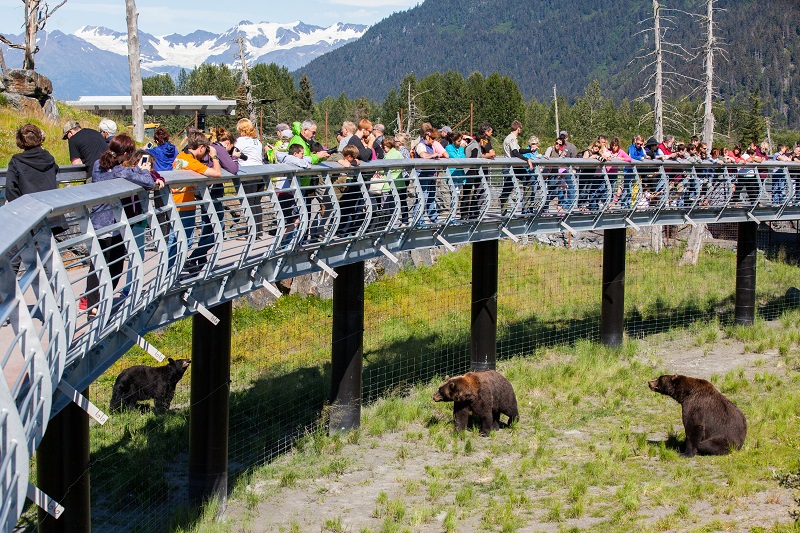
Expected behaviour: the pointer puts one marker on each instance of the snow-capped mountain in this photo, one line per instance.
(291, 45)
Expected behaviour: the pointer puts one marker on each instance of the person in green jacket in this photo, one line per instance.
(391, 152)
(304, 136)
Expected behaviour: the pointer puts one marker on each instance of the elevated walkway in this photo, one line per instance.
(274, 222)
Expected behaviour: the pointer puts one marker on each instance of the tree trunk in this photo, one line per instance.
(708, 117)
(31, 25)
(248, 88)
(695, 242)
(656, 239)
(658, 104)
(694, 245)
(137, 105)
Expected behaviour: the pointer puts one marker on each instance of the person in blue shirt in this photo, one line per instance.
(636, 152)
(532, 155)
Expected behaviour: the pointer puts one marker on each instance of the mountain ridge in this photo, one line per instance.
(290, 45)
(570, 45)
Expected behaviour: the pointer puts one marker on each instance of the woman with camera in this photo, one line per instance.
(121, 160)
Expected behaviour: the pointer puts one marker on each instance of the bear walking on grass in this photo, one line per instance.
(486, 394)
(713, 425)
(139, 383)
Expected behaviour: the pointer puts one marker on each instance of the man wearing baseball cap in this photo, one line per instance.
(85, 145)
(570, 150)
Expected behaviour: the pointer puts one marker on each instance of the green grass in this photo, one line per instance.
(620, 463)
(11, 120)
(417, 329)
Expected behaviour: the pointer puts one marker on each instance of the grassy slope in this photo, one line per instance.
(11, 120)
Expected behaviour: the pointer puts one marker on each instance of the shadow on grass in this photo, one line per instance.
(672, 443)
(140, 477)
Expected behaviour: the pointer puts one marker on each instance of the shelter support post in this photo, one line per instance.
(612, 312)
(208, 413)
(483, 332)
(62, 466)
(746, 252)
(347, 347)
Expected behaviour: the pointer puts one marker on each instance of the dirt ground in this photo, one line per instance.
(375, 468)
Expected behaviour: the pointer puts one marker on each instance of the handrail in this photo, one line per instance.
(276, 221)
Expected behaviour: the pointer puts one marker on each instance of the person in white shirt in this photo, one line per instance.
(253, 151)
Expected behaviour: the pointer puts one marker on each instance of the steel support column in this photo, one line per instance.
(483, 331)
(612, 313)
(208, 413)
(746, 251)
(62, 466)
(347, 347)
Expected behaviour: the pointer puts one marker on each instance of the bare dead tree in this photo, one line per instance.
(414, 113)
(137, 104)
(658, 92)
(711, 47)
(708, 114)
(665, 76)
(248, 87)
(36, 16)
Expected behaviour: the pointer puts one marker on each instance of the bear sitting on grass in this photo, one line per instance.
(713, 425)
(486, 394)
(139, 383)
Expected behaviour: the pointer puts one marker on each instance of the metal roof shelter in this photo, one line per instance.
(157, 105)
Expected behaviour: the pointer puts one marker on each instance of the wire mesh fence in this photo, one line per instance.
(417, 327)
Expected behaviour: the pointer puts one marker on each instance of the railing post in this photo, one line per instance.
(483, 331)
(62, 466)
(746, 252)
(208, 412)
(347, 347)
(612, 312)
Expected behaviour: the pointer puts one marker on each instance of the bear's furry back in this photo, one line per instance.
(139, 383)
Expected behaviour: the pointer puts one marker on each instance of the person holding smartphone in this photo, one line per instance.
(119, 161)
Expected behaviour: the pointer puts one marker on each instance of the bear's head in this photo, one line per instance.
(178, 367)
(666, 384)
(457, 389)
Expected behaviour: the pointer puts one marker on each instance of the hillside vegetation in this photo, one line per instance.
(569, 44)
(11, 120)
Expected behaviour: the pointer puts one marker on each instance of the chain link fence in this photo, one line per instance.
(417, 327)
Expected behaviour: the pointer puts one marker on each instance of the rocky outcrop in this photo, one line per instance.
(29, 92)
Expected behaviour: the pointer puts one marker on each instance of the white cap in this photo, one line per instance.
(108, 126)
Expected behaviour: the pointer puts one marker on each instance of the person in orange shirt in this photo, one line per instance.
(191, 158)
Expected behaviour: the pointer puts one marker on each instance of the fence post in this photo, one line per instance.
(208, 411)
(612, 313)
(347, 347)
(746, 252)
(62, 466)
(483, 331)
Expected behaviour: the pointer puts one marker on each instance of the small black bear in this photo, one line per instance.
(140, 382)
(713, 424)
(486, 394)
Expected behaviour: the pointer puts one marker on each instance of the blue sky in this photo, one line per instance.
(160, 17)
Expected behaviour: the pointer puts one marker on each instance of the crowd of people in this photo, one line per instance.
(109, 155)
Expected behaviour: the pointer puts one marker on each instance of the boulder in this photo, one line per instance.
(23, 104)
(27, 83)
(49, 108)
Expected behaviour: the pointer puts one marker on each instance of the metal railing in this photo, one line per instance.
(214, 240)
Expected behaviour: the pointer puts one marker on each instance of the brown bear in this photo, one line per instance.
(486, 394)
(140, 382)
(712, 423)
